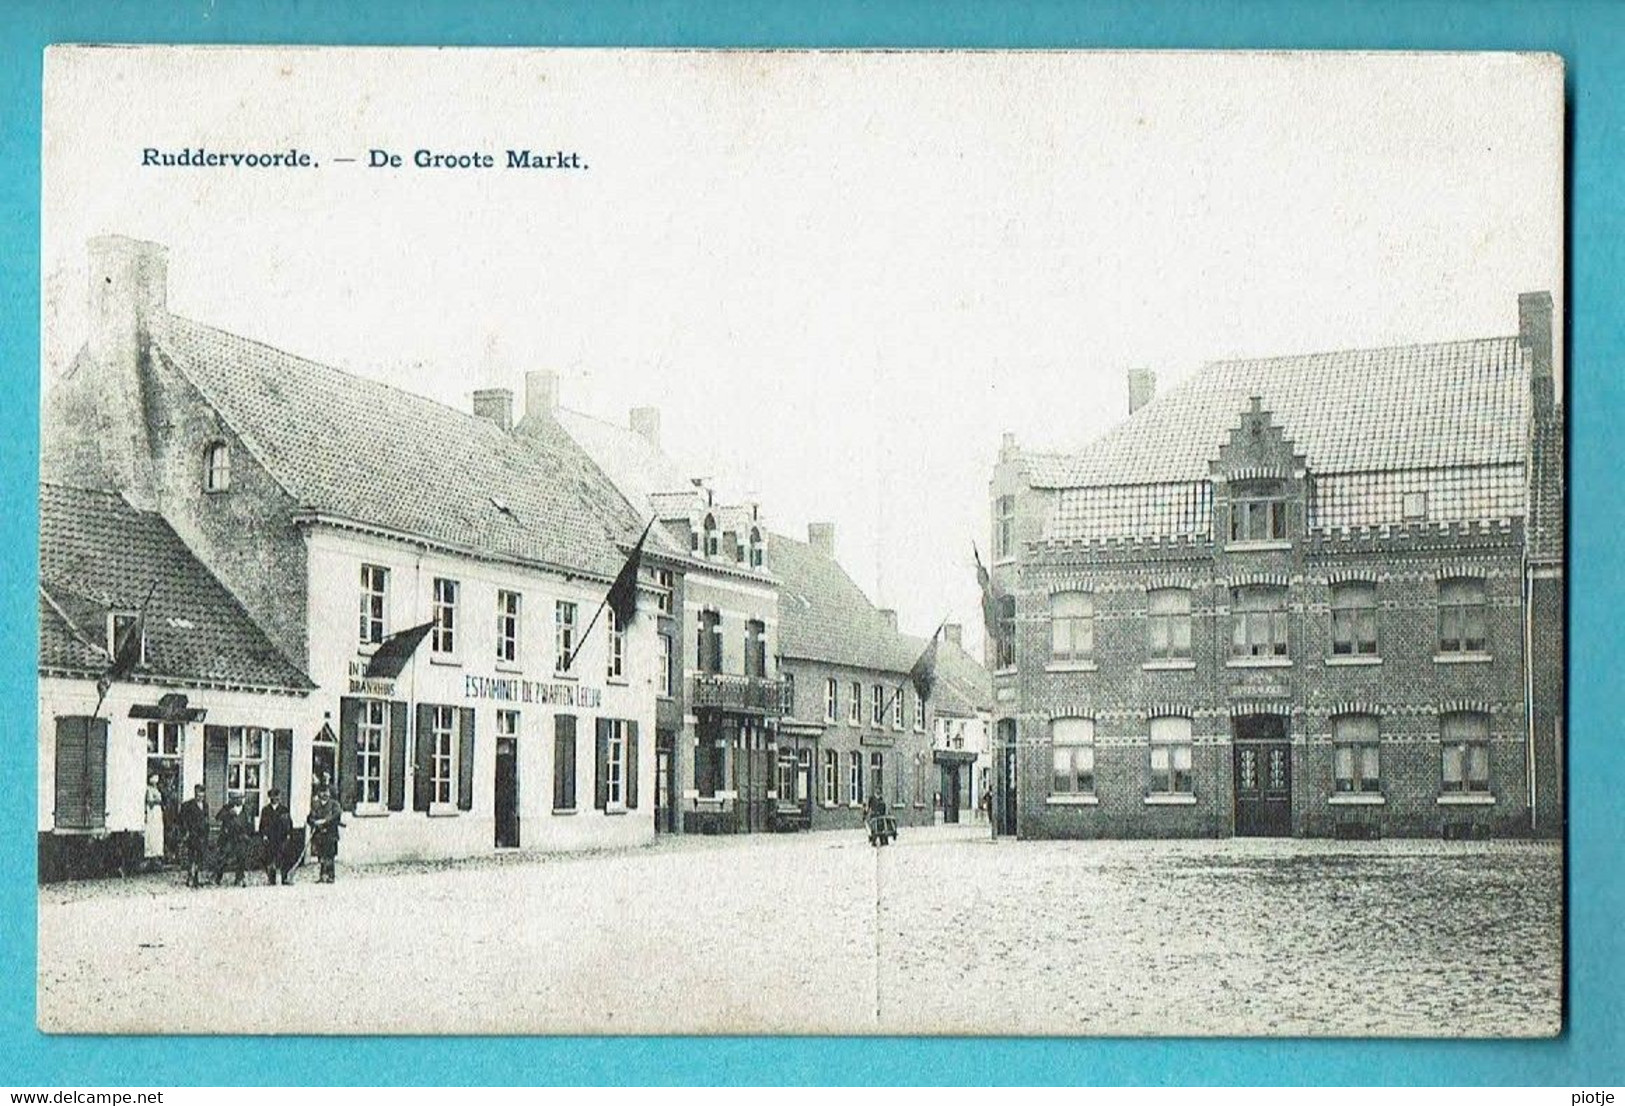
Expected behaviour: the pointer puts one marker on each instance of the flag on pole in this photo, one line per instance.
(990, 598)
(623, 593)
(126, 651)
(924, 673)
(390, 659)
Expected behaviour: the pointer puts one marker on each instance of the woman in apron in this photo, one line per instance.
(153, 832)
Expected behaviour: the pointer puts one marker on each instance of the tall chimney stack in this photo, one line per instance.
(1535, 335)
(954, 633)
(1142, 386)
(541, 393)
(129, 305)
(821, 536)
(646, 424)
(495, 404)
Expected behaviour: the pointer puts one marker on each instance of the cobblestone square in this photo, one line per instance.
(945, 932)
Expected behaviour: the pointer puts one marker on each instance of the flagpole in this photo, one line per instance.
(140, 623)
(899, 690)
(571, 663)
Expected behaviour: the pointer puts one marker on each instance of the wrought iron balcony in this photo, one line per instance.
(726, 691)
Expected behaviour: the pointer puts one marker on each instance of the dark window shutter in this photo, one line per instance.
(564, 762)
(465, 759)
(72, 806)
(349, 715)
(600, 795)
(422, 758)
(631, 766)
(398, 738)
(214, 765)
(282, 763)
(96, 773)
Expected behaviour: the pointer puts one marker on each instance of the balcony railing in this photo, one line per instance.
(725, 691)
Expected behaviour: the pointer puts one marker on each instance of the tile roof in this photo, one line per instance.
(824, 615)
(963, 686)
(352, 447)
(638, 468)
(98, 554)
(1403, 407)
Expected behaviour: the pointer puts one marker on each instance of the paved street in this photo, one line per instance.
(946, 932)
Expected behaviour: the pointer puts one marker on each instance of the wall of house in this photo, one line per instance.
(472, 678)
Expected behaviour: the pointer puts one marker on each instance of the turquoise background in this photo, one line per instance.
(1588, 35)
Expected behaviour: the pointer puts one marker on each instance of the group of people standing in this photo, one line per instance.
(237, 839)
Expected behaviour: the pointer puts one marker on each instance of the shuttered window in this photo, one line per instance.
(81, 773)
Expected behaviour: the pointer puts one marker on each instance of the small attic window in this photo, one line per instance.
(120, 624)
(216, 467)
(756, 552)
(711, 542)
(1416, 505)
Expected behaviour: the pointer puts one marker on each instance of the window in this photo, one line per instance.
(785, 787)
(919, 712)
(755, 648)
(1465, 749)
(787, 698)
(832, 700)
(370, 729)
(374, 593)
(1462, 612)
(615, 763)
(1004, 632)
(711, 539)
(667, 585)
(709, 641)
(508, 723)
(120, 625)
(442, 755)
(564, 762)
(1073, 744)
(617, 645)
(1072, 626)
(877, 706)
(1258, 622)
(1415, 505)
(877, 774)
(663, 676)
(1171, 756)
(564, 634)
(1257, 518)
(1004, 527)
(164, 744)
(757, 554)
(1355, 757)
(443, 639)
(832, 776)
(1354, 619)
(710, 763)
(854, 777)
(854, 708)
(897, 709)
(919, 779)
(245, 764)
(216, 467)
(507, 626)
(803, 775)
(1168, 621)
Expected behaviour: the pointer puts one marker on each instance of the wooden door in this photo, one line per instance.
(507, 793)
(1263, 779)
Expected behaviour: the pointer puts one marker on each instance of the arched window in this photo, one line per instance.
(757, 553)
(1168, 624)
(1464, 748)
(216, 467)
(1171, 756)
(710, 535)
(1356, 759)
(1072, 741)
(1354, 619)
(1072, 626)
(1462, 612)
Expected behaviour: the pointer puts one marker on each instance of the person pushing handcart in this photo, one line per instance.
(882, 826)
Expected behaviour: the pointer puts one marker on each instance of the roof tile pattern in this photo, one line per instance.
(1401, 407)
(824, 615)
(98, 554)
(355, 448)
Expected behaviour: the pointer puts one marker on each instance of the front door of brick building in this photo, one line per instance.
(1263, 776)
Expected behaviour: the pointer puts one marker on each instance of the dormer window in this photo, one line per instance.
(216, 467)
(757, 554)
(1257, 513)
(120, 625)
(711, 540)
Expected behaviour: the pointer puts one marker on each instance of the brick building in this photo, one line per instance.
(339, 513)
(1310, 595)
(719, 693)
(853, 725)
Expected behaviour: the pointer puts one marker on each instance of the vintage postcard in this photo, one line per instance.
(614, 541)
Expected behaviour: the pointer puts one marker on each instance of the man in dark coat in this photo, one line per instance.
(234, 832)
(194, 831)
(324, 823)
(276, 827)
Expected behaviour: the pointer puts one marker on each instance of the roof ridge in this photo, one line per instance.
(73, 627)
(1341, 351)
(63, 485)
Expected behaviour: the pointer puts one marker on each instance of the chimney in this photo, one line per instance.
(1008, 449)
(541, 393)
(495, 404)
(821, 536)
(1142, 386)
(646, 423)
(954, 633)
(128, 304)
(889, 617)
(1535, 335)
